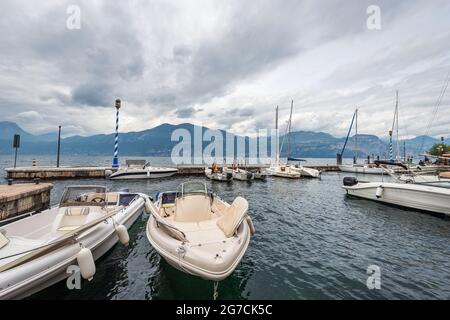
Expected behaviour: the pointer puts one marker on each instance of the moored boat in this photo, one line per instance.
(197, 232)
(414, 196)
(137, 169)
(243, 175)
(216, 174)
(36, 252)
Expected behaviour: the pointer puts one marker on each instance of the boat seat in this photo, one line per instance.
(74, 211)
(112, 197)
(73, 218)
(233, 216)
(193, 208)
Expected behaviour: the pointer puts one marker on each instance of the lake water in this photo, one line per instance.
(311, 242)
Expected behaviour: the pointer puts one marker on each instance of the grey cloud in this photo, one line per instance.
(92, 94)
(168, 69)
(185, 112)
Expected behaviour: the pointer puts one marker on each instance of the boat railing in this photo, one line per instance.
(161, 221)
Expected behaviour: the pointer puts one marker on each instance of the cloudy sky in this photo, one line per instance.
(224, 64)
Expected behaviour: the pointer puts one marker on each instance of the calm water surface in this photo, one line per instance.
(312, 242)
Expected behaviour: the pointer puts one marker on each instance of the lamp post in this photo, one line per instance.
(115, 163)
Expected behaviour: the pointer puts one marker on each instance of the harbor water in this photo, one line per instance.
(311, 242)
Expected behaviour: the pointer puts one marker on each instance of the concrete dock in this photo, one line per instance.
(17, 199)
(53, 173)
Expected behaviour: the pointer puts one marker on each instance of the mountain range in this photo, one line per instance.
(157, 142)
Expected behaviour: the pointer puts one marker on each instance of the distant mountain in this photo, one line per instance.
(9, 129)
(157, 142)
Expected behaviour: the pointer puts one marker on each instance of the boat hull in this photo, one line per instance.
(135, 175)
(361, 169)
(307, 172)
(288, 173)
(194, 261)
(412, 196)
(41, 273)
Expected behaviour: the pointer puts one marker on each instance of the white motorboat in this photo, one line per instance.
(284, 171)
(139, 169)
(243, 175)
(224, 174)
(197, 232)
(306, 172)
(362, 168)
(408, 195)
(36, 251)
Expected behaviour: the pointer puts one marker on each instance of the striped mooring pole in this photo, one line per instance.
(391, 151)
(115, 163)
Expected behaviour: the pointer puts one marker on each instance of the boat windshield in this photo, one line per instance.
(83, 195)
(191, 187)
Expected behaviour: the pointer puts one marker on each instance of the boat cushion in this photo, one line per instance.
(68, 228)
(74, 211)
(233, 216)
(193, 208)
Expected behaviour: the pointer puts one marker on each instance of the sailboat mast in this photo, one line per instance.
(396, 114)
(356, 135)
(289, 129)
(277, 155)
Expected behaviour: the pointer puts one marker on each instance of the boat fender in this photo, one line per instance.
(123, 235)
(108, 173)
(86, 263)
(251, 225)
(379, 192)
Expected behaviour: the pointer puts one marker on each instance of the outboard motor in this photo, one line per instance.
(350, 181)
(249, 175)
(229, 175)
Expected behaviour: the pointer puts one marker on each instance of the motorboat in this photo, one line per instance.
(260, 174)
(243, 175)
(409, 195)
(140, 169)
(217, 174)
(284, 171)
(362, 168)
(36, 251)
(306, 172)
(197, 232)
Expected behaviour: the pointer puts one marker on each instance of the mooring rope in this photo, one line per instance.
(216, 290)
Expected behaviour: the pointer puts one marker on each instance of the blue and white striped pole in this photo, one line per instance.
(115, 163)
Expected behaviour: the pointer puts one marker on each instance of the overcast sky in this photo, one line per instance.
(224, 64)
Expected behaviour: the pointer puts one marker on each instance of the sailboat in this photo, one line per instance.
(304, 172)
(367, 168)
(278, 169)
